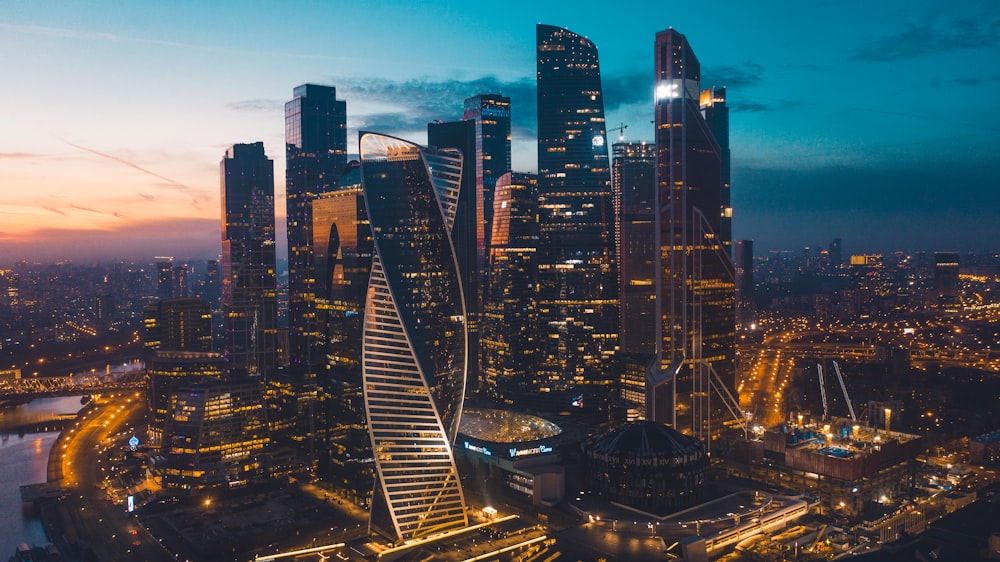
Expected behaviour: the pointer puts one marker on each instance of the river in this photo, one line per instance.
(23, 460)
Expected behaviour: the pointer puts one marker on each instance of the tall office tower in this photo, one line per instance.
(491, 114)
(633, 182)
(743, 268)
(164, 277)
(315, 156)
(216, 436)
(577, 269)
(183, 324)
(343, 246)
(179, 281)
(415, 345)
(836, 253)
(947, 292)
(213, 286)
(696, 286)
(249, 289)
(468, 231)
(716, 114)
(510, 314)
(165, 372)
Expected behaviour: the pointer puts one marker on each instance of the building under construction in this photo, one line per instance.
(845, 464)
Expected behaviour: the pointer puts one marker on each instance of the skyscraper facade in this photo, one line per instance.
(415, 346)
(315, 156)
(491, 115)
(248, 261)
(633, 181)
(343, 246)
(743, 268)
(716, 114)
(510, 312)
(695, 280)
(468, 228)
(577, 270)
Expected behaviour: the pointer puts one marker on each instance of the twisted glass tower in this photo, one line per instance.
(415, 345)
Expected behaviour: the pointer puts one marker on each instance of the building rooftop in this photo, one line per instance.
(505, 426)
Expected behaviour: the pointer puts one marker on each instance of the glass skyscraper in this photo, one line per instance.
(634, 184)
(315, 156)
(248, 262)
(510, 313)
(577, 273)
(415, 345)
(695, 279)
(468, 228)
(343, 246)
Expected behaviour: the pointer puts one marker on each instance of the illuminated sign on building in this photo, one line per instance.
(532, 451)
(478, 449)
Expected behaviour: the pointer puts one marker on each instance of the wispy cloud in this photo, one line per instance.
(88, 209)
(54, 210)
(145, 196)
(933, 37)
(742, 75)
(174, 184)
(255, 105)
(86, 34)
(19, 155)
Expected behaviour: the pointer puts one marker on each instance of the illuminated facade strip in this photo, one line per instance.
(414, 343)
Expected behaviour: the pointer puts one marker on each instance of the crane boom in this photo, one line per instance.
(822, 391)
(843, 387)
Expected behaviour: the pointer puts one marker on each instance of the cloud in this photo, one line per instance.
(54, 210)
(88, 209)
(170, 183)
(425, 100)
(19, 155)
(194, 238)
(743, 75)
(256, 105)
(751, 107)
(145, 196)
(934, 37)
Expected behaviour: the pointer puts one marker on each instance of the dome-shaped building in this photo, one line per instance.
(647, 466)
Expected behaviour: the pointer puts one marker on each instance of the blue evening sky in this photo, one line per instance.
(875, 122)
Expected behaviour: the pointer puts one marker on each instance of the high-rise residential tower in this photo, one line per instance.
(695, 280)
(249, 289)
(633, 180)
(510, 313)
(743, 269)
(577, 270)
(415, 346)
(315, 156)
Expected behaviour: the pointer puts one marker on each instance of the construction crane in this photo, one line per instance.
(843, 387)
(822, 391)
(621, 131)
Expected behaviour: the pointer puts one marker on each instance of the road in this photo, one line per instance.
(88, 517)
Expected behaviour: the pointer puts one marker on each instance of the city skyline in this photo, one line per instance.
(830, 139)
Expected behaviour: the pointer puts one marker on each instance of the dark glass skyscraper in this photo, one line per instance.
(716, 114)
(633, 180)
(695, 280)
(315, 156)
(577, 273)
(510, 312)
(491, 114)
(468, 228)
(343, 245)
(415, 344)
(249, 290)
